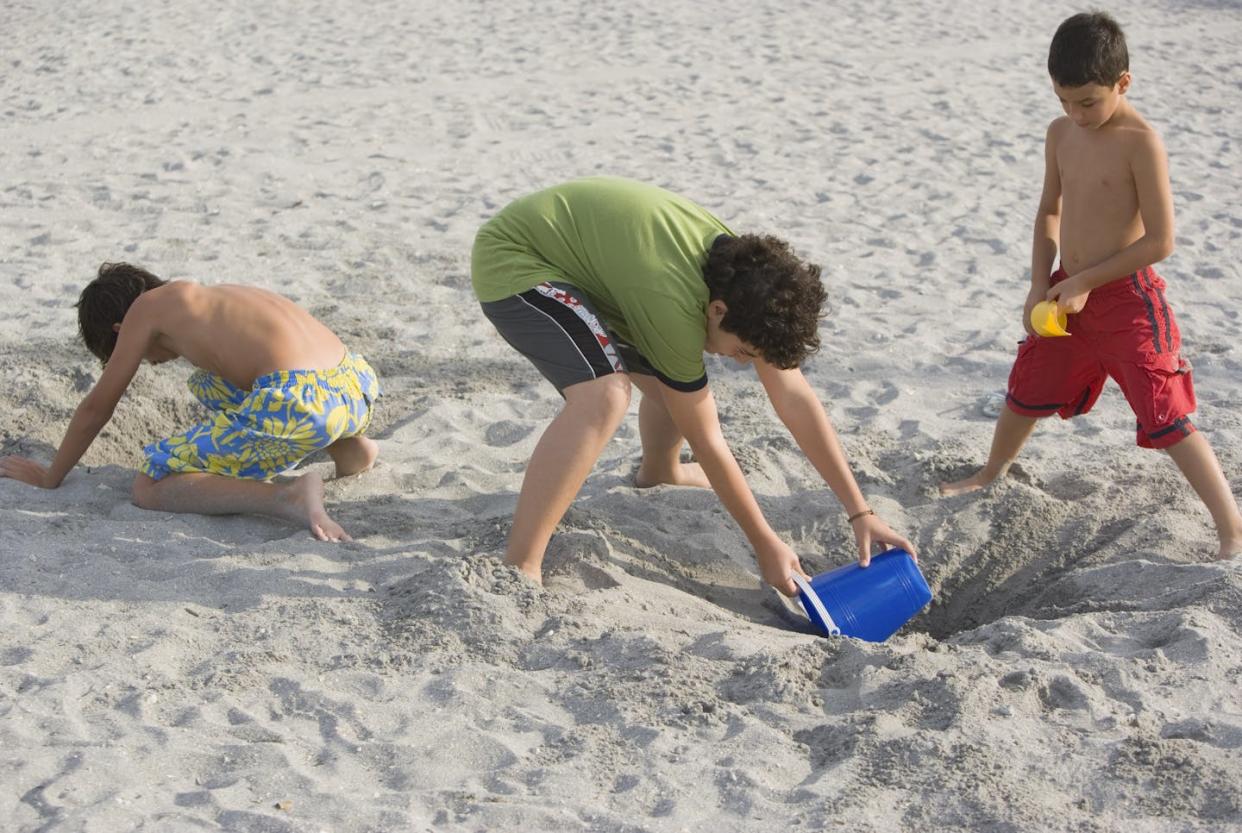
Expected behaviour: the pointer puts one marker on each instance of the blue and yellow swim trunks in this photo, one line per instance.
(261, 432)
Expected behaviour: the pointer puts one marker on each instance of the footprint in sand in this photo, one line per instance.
(505, 433)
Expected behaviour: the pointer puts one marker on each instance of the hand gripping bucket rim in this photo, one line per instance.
(869, 603)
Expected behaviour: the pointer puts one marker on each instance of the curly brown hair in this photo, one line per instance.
(774, 298)
(104, 302)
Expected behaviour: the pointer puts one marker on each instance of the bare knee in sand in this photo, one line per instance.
(353, 455)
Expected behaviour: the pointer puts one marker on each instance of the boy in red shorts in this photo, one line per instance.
(1107, 207)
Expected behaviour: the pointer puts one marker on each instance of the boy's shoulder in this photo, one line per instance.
(1140, 144)
(1133, 127)
(1132, 133)
(163, 298)
(1059, 125)
(174, 290)
(1143, 133)
(168, 307)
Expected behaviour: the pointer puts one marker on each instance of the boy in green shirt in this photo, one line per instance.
(603, 283)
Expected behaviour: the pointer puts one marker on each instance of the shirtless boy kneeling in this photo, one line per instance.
(280, 386)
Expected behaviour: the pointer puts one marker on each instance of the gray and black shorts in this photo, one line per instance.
(555, 326)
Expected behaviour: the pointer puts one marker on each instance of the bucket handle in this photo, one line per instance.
(809, 592)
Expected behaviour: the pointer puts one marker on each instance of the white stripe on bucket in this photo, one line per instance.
(824, 616)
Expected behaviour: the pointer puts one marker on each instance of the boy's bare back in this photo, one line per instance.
(238, 332)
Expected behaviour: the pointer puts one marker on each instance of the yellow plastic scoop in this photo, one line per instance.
(1048, 320)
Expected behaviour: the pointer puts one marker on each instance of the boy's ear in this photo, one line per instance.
(717, 309)
(1123, 83)
(116, 328)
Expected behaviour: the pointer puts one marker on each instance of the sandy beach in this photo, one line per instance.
(1080, 668)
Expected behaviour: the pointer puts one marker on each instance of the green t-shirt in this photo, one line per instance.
(635, 250)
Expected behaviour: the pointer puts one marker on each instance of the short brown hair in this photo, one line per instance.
(774, 298)
(1088, 48)
(104, 302)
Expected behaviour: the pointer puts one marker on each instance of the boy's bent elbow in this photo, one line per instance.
(1156, 247)
(1165, 247)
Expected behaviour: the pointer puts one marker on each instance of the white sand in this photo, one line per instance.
(1080, 670)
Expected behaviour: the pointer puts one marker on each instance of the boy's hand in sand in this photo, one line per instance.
(869, 530)
(1070, 296)
(25, 470)
(777, 562)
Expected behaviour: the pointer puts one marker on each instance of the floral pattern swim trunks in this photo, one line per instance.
(258, 433)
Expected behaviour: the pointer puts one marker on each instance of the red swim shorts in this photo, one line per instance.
(1125, 331)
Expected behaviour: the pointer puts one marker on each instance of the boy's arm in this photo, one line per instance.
(1047, 225)
(803, 414)
(695, 415)
(1150, 167)
(96, 407)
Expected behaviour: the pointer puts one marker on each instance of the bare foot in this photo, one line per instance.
(535, 574)
(353, 455)
(306, 505)
(686, 474)
(1229, 547)
(973, 483)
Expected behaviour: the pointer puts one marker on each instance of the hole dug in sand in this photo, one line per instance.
(1007, 552)
(1032, 550)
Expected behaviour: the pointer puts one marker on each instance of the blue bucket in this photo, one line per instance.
(869, 603)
